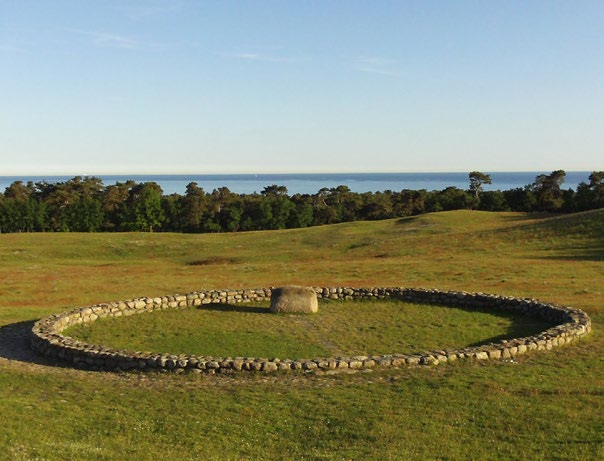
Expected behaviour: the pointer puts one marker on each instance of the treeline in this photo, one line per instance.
(87, 205)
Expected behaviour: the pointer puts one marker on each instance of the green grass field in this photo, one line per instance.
(545, 405)
(338, 329)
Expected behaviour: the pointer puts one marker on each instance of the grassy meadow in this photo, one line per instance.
(545, 405)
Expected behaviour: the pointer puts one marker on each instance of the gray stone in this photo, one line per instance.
(308, 365)
(294, 299)
(269, 366)
(397, 362)
(494, 354)
(412, 360)
(49, 342)
(237, 364)
(284, 365)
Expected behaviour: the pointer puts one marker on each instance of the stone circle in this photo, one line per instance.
(571, 324)
(294, 300)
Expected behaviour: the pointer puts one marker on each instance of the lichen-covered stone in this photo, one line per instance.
(294, 300)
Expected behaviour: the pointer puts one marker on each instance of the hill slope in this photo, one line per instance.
(539, 406)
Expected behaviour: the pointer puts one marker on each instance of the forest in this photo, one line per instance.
(85, 204)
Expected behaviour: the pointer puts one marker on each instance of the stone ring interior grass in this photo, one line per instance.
(568, 325)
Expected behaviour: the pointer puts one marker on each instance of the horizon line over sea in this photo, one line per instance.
(311, 183)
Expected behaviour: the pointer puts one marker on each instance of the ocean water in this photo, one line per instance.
(312, 183)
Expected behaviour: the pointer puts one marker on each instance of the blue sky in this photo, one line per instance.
(184, 86)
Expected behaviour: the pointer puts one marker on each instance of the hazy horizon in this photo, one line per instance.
(276, 173)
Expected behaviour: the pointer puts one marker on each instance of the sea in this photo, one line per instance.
(312, 183)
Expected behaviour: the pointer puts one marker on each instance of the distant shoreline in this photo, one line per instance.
(310, 183)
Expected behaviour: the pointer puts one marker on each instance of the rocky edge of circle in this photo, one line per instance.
(570, 324)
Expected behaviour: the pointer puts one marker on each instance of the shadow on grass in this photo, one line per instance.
(407, 220)
(15, 344)
(530, 217)
(235, 308)
(593, 252)
(214, 260)
(522, 326)
(573, 236)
